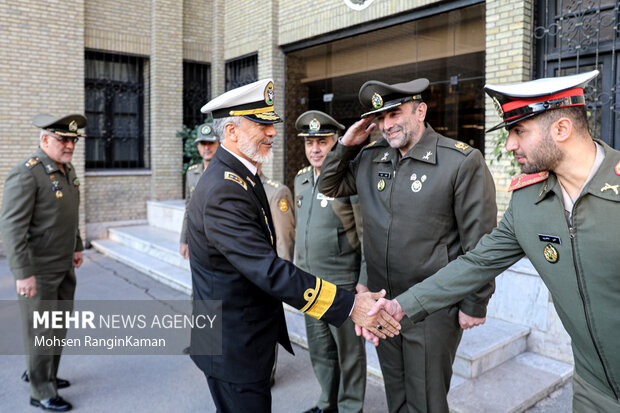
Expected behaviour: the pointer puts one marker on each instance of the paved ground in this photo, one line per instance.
(102, 384)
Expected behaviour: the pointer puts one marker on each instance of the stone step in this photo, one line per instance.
(487, 346)
(171, 275)
(510, 387)
(160, 243)
(167, 215)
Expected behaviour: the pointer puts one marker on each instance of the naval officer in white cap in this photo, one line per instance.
(563, 216)
(232, 245)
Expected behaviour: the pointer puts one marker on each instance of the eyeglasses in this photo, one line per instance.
(65, 139)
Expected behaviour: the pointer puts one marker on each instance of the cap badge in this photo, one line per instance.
(381, 185)
(269, 94)
(73, 126)
(498, 107)
(314, 125)
(551, 254)
(377, 101)
(612, 187)
(205, 130)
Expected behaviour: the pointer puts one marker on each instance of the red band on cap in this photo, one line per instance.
(516, 104)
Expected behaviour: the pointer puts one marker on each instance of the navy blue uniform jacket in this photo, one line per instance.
(233, 259)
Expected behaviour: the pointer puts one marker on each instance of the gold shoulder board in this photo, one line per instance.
(235, 178)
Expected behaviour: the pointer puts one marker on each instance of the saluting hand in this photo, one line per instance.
(358, 133)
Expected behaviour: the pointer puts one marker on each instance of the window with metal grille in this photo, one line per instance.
(115, 92)
(241, 71)
(576, 36)
(196, 91)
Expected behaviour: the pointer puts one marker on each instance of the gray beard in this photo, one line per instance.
(251, 151)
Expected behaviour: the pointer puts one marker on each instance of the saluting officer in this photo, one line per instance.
(207, 144)
(39, 225)
(328, 243)
(426, 199)
(233, 257)
(563, 216)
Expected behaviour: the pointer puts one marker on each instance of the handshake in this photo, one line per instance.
(374, 316)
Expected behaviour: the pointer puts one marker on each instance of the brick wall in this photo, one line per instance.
(116, 197)
(508, 60)
(41, 71)
(197, 30)
(302, 19)
(166, 104)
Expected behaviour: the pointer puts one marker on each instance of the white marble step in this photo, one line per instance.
(489, 345)
(510, 387)
(173, 276)
(160, 243)
(166, 214)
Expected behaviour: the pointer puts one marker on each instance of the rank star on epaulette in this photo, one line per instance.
(32, 162)
(461, 145)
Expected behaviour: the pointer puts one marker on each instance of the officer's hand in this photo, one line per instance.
(27, 287)
(359, 330)
(184, 251)
(467, 321)
(379, 324)
(391, 307)
(361, 288)
(358, 133)
(77, 259)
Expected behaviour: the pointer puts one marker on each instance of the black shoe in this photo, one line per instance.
(60, 383)
(55, 404)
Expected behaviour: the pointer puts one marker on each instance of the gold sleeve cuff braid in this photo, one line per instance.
(319, 298)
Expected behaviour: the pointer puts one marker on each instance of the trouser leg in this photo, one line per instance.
(42, 362)
(324, 358)
(588, 399)
(234, 398)
(352, 362)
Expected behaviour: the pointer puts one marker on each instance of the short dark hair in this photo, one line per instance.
(577, 114)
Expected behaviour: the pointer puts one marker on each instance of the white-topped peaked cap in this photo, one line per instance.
(253, 101)
(519, 101)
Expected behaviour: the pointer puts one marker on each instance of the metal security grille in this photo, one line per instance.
(241, 71)
(196, 92)
(575, 36)
(115, 110)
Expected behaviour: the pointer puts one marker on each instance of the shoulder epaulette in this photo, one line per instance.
(32, 162)
(456, 145)
(304, 170)
(193, 167)
(273, 183)
(235, 178)
(524, 180)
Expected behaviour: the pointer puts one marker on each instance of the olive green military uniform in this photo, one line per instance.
(39, 225)
(579, 263)
(328, 243)
(192, 176)
(281, 205)
(421, 211)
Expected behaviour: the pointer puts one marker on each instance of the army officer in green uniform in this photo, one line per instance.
(328, 243)
(39, 225)
(426, 199)
(207, 145)
(563, 216)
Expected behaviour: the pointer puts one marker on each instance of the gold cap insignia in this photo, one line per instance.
(206, 130)
(314, 125)
(377, 101)
(269, 94)
(498, 107)
(73, 126)
(551, 254)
